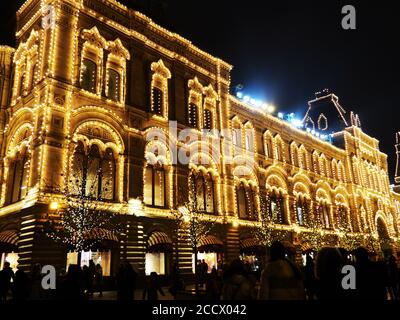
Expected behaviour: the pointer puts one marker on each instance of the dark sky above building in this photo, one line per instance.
(284, 51)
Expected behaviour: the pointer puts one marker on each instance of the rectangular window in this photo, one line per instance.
(193, 117)
(88, 75)
(211, 258)
(99, 257)
(159, 188)
(157, 101)
(113, 85)
(207, 119)
(148, 187)
(300, 214)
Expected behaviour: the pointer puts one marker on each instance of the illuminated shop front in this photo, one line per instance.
(210, 250)
(252, 253)
(9, 249)
(102, 252)
(159, 254)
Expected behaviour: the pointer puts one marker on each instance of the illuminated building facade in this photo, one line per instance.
(95, 79)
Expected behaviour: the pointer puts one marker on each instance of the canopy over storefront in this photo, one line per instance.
(210, 243)
(159, 242)
(8, 240)
(251, 246)
(101, 239)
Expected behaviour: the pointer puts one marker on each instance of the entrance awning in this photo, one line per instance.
(101, 234)
(251, 246)
(9, 237)
(100, 239)
(8, 240)
(210, 244)
(159, 242)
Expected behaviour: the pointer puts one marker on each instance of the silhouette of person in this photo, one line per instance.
(5, 281)
(152, 288)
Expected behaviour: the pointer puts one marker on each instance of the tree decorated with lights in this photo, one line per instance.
(266, 232)
(196, 223)
(81, 221)
(315, 235)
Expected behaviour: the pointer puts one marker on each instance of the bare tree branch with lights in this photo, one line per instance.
(314, 236)
(81, 214)
(372, 243)
(346, 238)
(266, 233)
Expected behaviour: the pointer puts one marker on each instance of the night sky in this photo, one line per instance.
(285, 51)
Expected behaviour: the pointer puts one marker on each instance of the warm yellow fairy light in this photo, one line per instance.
(54, 205)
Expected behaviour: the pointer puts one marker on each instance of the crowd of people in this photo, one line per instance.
(320, 278)
(281, 279)
(77, 283)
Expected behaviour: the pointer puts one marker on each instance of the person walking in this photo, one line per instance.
(152, 288)
(329, 274)
(99, 279)
(21, 286)
(126, 282)
(91, 278)
(213, 289)
(309, 278)
(281, 279)
(6, 275)
(177, 283)
(393, 277)
(237, 286)
(369, 287)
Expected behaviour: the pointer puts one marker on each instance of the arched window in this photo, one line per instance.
(342, 216)
(18, 177)
(113, 85)
(277, 207)
(302, 209)
(279, 150)
(32, 72)
(237, 137)
(155, 187)
(295, 155)
(324, 215)
(269, 147)
(108, 172)
(93, 175)
(245, 196)
(241, 201)
(208, 119)
(88, 75)
(303, 159)
(316, 163)
(93, 187)
(202, 191)
(22, 81)
(193, 116)
(157, 105)
(249, 140)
